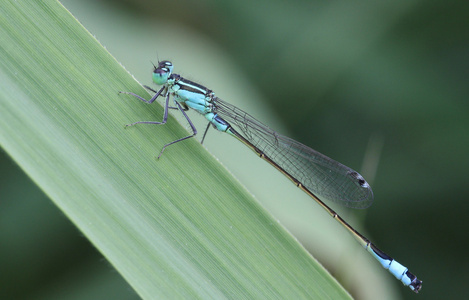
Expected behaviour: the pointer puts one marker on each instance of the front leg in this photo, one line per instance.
(165, 116)
(143, 99)
(194, 130)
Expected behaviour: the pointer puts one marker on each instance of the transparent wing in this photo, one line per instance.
(323, 176)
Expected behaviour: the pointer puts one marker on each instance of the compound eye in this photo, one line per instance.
(166, 65)
(161, 75)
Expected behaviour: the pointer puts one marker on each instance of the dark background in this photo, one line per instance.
(382, 87)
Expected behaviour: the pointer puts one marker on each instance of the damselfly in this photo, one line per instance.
(316, 174)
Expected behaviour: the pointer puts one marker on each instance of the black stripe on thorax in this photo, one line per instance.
(190, 85)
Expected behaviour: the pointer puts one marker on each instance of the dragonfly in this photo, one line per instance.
(316, 174)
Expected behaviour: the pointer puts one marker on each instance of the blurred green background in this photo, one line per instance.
(379, 86)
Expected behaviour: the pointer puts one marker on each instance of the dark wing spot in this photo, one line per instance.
(359, 178)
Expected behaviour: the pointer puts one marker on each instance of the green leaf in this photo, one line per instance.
(181, 227)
